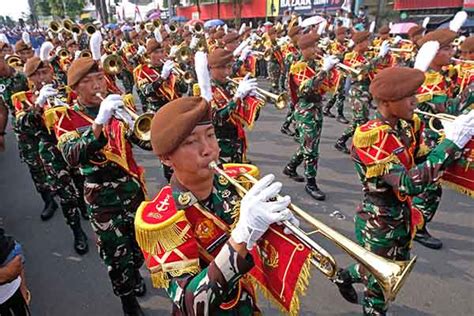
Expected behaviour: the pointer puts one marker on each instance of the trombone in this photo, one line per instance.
(141, 123)
(280, 100)
(187, 76)
(390, 275)
(439, 116)
(463, 61)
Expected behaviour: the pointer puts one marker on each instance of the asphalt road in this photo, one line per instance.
(63, 283)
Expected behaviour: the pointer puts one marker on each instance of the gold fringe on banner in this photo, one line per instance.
(162, 237)
(51, 116)
(300, 290)
(363, 139)
(458, 188)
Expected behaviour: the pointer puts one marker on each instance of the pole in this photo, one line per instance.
(170, 9)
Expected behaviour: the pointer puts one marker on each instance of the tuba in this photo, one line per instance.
(76, 29)
(86, 53)
(198, 28)
(389, 274)
(174, 27)
(90, 29)
(68, 24)
(55, 27)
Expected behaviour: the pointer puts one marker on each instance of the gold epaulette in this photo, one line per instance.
(369, 134)
(51, 115)
(350, 55)
(136, 71)
(68, 136)
(417, 122)
(196, 90)
(19, 96)
(298, 67)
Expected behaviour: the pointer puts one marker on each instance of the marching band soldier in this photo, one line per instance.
(211, 282)
(306, 82)
(275, 63)
(386, 152)
(230, 133)
(31, 118)
(435, 96)
(465, 68)
(91, 138)
(12, 81)
(338, 48)
(24, 50)
(359, 96)
(155, 81)
(291, 54)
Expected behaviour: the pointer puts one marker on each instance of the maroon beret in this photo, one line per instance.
(384, 30)
(33, 64)
(443, 36)
(359, 37)
(415, 30)
(80, 68)
(468, 45)
(396, 83)
(219, 57)
(308, 40)
(20, 45)
(151, 45)
(175, 121)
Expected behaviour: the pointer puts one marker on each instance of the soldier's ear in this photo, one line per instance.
(165, 159)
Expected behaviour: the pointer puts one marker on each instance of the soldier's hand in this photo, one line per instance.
(329, 62)
(167, 67)
(245, 87)
(107, 108)
(461, 130)
(384, 48)
(258, 211)
(47, 91)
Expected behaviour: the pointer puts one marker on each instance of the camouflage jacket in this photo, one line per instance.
(9, 86)
(394, 164)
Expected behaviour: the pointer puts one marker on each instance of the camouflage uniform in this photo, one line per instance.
(309, 122)
(58, 174)
(338, 49)
(384, 223)
(274, 67)
(220, 270)
(292, 56)
(27, 139)
(228, 133)
(112, 196)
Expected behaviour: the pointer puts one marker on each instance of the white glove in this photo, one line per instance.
(123, 115)
(461, 130)
(329, 62)
(141, 50)
(396, 39)
(173, 51)
(194, 42)
(257, 213)
(245, 53)
(107, 108)
(123, 45)
(47, 91)
(384, 48)
(167, 67)
(245, 87)
(350, 43)
(77, 54)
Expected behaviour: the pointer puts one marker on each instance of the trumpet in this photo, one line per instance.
(141, 123)
(280, 100)
(112, 64)
(68, 24)
(202, 45)
(390, 275)
(187, 76)
(183, 54)
(55, 27)
(395, 50)
(63, 53)
(90, 29)
(174, 27)
(439, 116)
(198, 28)
(463, 61)
(75, 28)
(86, 53)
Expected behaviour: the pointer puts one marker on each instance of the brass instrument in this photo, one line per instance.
(268, 54)
(14, 61)
(90, 29)
(187, 76)
(439, 116)
(390, 275)
(393, 49)
(198, 28)
(202, 45)
(141, 123)
(183, 54)
(75, 28)
(68, 24)
(86, 53)
(174, 27)
(55, 27)
(463, 61)
(63, 53)
(152, 25)
(112, 64)
(280, 100)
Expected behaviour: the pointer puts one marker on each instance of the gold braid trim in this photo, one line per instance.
(298, 67)
(300, 290)
(161, 279)
(458, 188)
(162, 237)
(381, 167)
(423, 150)
(196, 90)
(67, 137)
(363, 139)
(51, 116)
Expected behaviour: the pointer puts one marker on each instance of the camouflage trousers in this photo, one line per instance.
(112, 205)
(337, 100)
(274, 72)
(289, 115)
(28, 146)
(62, 183)
(127, 80)
(360, 101)
(309, 136)
(428, 201)
(386, 241)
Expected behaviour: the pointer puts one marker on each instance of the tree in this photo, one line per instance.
(237, 5)
(42, 8)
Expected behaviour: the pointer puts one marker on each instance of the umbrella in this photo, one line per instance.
(155, 15)
(111, 26)
(178, 19)
(402, 28)
(194, 21)
(215, 22)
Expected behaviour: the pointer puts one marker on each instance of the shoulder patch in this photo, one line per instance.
(298, 67)
(369, 134)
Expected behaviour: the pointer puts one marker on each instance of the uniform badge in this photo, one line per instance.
(225, 194)
(222, 180)
(184, 198)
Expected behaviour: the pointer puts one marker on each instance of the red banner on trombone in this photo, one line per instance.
(460, 175)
